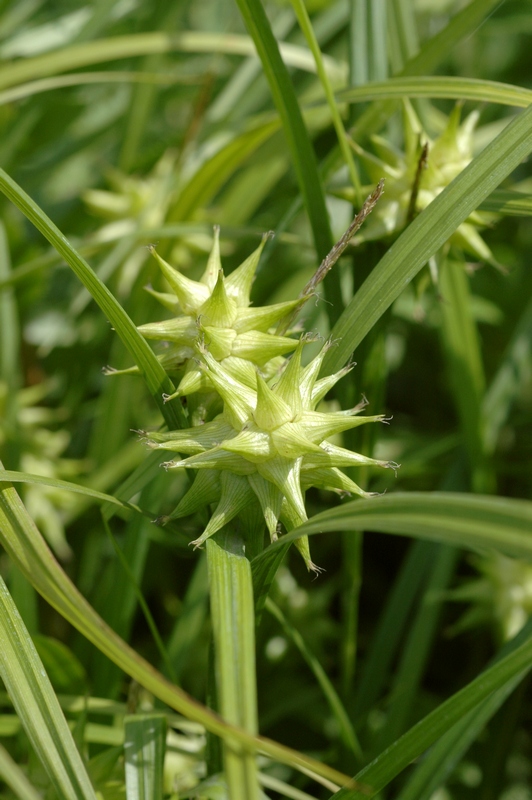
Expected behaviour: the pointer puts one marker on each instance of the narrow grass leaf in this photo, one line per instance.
(510, 203)
(24, 477)
(156, 379)
(15, 778)
(233, 626)
(144, 750)
(35, 702)
(403, 28)
(141, 44)
(471, 521)
(403, 751)
(306, 26)
(439, 87)
(9, 341)
(439, 762)
(299, 144)
(427, 233)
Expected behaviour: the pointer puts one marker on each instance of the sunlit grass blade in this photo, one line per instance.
(209, 178)
(156, 379)
(403, 751)
(433, 51)
(466, 520)
(15, 778)
(511, 203)
(144, 749)
(141, 44)
(22, 477)
(28, 551)
(345, 727)
(439, 762)
(439, 87)
(37, 706)
(306, 26)
(299, 144)
(426, 234)
(233, 626)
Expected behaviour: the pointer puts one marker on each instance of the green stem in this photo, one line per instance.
(308, 31)
(233, 625)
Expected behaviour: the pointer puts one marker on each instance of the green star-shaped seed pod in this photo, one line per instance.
(218, 309)
(267, 446)
(415, 177)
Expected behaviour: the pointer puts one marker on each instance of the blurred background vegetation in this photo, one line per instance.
(136, 141)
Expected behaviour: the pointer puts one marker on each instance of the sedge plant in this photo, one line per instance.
(202, 656)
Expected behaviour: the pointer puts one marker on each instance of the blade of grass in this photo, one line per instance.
(144, 749)
(439, 87)
(403, 30)
(377, 38)
(385, 767)
(15, 778)
(439, 762)
(466, 520)
(143, 44)
(358, 43)
(511, 203)
(156, 379)
(426, 234)
(308, 31)
(233, 626)
(56, 483)
(299, 144)
(435, 50)
(37, 706)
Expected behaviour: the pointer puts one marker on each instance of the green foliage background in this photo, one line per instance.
(127, 124)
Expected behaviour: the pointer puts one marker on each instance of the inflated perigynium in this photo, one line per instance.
(267, 446)
(216, 309)
(411, 176)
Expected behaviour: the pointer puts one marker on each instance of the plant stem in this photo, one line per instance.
(233, 625)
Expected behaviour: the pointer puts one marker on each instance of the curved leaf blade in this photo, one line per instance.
(156, 378)
(466, 520)
(37, 706)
